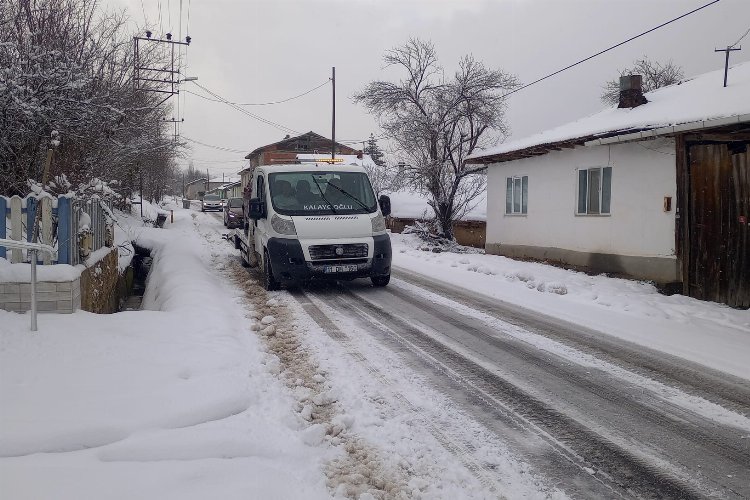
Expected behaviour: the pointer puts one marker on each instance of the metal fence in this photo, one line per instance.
(61, 225)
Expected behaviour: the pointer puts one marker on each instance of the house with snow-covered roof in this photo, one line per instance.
(657, 188)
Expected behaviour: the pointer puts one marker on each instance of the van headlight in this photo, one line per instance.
(378, 224)
(282, 226)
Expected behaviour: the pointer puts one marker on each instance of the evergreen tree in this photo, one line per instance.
(372, 149)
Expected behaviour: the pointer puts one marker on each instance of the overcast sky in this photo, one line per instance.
(260, 51)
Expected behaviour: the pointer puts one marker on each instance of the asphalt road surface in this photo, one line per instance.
(596, 416)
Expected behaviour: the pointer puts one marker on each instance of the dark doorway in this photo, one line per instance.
(717, 227)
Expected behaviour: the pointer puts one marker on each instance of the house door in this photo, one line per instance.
(718, 218)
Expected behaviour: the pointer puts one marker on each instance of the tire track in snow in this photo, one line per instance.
(485, 476)
(720, 388)
(621, 472)
(361, 470)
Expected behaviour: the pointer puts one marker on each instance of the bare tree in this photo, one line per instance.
(436, 123)
(655, 75)
(66, 65)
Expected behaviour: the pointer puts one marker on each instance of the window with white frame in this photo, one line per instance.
(594, 191)
(516, 195)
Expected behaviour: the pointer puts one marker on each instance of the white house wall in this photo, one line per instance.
(643, 173)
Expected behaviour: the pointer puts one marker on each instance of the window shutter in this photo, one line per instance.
(606, 189)
(525, 195)
(582, 190)
(508, 195)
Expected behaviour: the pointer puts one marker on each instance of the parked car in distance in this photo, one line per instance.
(211, 202)
(233, 213)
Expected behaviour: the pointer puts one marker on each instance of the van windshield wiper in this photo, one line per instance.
(361, 204)
(333, 209)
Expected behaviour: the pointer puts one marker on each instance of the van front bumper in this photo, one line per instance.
(289, 265)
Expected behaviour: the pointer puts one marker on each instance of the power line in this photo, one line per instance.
(740, 39)
(220, 148)
(262, 103)
(283, 128)
(609, 48)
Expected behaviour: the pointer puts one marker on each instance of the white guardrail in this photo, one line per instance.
(33, 249)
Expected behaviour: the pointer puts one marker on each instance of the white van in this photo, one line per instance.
(315, 221)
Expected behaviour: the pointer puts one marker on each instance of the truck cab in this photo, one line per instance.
(311, 221)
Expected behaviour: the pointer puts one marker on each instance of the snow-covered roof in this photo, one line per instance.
(227, 179)
(697, 99)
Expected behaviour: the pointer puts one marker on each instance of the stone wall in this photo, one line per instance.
(99, 285)
(63, 297)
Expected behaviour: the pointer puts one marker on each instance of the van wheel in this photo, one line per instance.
(380, 280)
(269, 282)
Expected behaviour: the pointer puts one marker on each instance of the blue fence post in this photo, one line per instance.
(3, 215)
(64, 230)
(30, 216)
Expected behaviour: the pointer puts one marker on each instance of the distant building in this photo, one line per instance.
(287, 149)
(194, 190)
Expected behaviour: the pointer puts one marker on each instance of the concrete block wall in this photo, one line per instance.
(58, 297)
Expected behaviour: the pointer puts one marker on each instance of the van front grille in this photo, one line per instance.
(343, 251)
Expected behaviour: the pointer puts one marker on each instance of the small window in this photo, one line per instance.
(516, 195)
(594, 191)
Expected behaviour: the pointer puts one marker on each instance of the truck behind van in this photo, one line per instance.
(305, 222)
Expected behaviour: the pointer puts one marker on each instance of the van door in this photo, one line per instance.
(260, 232)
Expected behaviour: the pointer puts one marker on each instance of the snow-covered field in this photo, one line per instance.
(705, 332)
(218, 389)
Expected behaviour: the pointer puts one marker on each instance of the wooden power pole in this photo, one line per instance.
(333, 114)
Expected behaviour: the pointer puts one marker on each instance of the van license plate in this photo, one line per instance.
(339, 269)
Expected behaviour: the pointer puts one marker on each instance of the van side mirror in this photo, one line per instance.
(256, 209)
(385, 205)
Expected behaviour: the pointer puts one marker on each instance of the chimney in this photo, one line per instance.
(631, 92)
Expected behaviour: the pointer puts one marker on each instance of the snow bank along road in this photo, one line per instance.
(590, 415)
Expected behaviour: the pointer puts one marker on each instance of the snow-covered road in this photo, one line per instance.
(594, 426)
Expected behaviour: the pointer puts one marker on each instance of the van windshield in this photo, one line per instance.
(321, 193)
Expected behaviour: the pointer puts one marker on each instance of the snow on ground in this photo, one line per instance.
(704, 332)
(175, 401)
(218, 389)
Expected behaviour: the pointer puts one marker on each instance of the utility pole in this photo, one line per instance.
(183, 185)
(726, 60)
(333, 114)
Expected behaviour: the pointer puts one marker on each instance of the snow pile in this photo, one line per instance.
(705, 332)
(21, 273)
(174, 401)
